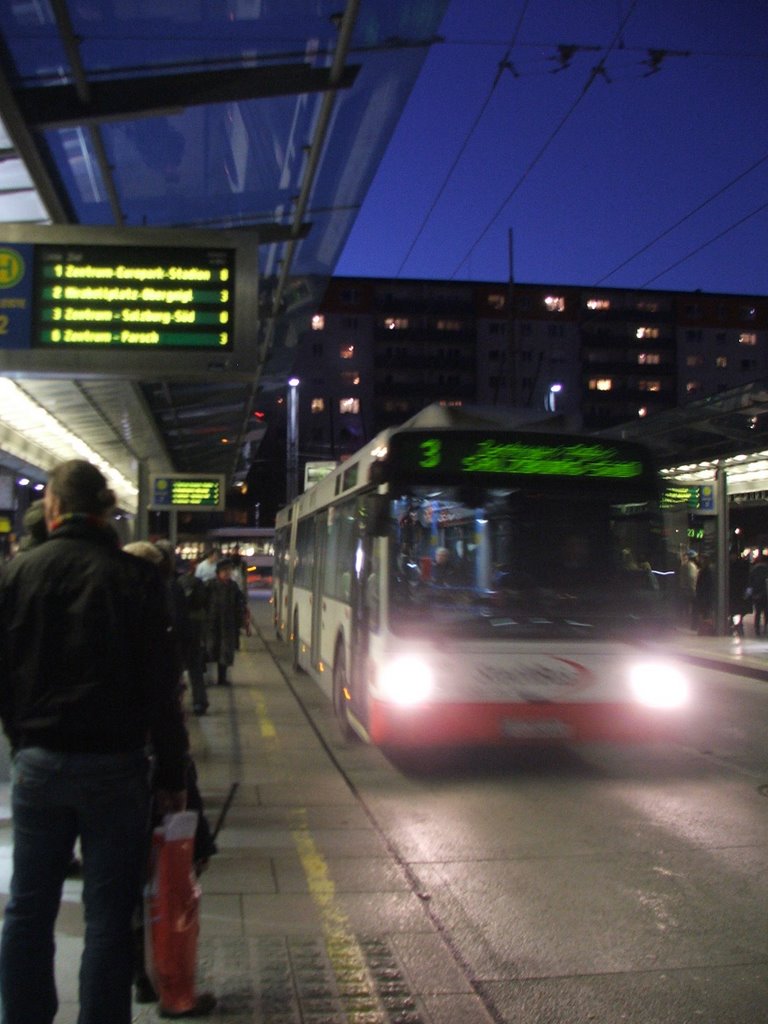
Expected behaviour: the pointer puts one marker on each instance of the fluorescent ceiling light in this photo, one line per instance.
(34, 423)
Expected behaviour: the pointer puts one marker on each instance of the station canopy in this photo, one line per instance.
(726, 431)
(267, 118)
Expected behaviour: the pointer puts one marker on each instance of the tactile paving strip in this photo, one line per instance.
(306, 981)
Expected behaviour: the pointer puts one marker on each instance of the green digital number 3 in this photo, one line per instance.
(430, 453)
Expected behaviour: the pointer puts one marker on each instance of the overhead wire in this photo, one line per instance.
(704, 245)
(503, 64)
(597, 70)
(683, 219)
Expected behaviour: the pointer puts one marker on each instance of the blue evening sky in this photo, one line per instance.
(615, 142)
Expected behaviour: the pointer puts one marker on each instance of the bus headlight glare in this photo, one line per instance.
(407, 680)
(658, 684)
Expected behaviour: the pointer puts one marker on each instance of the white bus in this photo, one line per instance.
(471, 583)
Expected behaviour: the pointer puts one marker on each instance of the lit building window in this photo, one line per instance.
(396, 323)
(748, 312)
(721, 362)
(317, 405)
(600, 384)
(449, 325)
(649, 385)
(642, 411)
(318, 322)
(350, 377)
(747, 338)
(347, 352)
(349, 405)
(648, 358)
(555, 303)
(692, 386)
(496, 301)
(694, 360)
(647, 332)
(598, 303)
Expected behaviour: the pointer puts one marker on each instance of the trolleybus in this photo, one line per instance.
(474, 583)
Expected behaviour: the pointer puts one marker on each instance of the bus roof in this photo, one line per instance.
(602, 461)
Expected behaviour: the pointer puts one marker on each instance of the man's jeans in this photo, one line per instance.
(103, 798)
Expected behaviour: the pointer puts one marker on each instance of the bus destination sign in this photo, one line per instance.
(190, 492)
(133, 297)
(469, 453)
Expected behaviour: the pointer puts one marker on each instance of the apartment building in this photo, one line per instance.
(376, 351)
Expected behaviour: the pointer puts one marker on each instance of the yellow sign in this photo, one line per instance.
(11, 268)
(189, 492)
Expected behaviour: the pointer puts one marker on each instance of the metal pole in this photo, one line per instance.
(142, 514)
(173, 527)
(723, 555)
(292, 441)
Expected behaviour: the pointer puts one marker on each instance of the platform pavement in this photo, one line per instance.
(747, 655)
(306, 916)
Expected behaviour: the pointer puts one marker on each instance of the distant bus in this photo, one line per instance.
(475, 583)
(256, 546)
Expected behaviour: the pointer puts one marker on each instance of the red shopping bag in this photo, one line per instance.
(172, 913)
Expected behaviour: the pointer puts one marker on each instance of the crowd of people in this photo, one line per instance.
(747, 592)
(96, 643)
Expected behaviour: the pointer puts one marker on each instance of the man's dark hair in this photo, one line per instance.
(81, 487)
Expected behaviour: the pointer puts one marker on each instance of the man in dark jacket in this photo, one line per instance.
(225, 617)
(85, 686)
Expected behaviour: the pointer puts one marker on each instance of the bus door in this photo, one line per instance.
(365, 617)
(279, 581)
(318, 575)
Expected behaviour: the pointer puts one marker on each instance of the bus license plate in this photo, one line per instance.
(544, 729)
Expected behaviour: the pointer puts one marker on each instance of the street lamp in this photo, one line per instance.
(550, 402)
(292, 441)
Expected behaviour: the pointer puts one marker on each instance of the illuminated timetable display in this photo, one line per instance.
(133, 297)
(466, 454)
(188, 492)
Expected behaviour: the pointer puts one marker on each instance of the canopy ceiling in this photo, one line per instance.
(265, 116)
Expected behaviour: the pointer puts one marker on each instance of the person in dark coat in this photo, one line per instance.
(225, 617)
(35, 530)
(739, 603)
(758, 582)
(161, 556)
(84, 688)
(195, 601)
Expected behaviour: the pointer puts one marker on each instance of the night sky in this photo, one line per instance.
(588, 142)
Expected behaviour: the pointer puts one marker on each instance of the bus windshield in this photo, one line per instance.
(530, 562)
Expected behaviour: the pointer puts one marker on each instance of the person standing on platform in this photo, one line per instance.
(82, 692)
(758, 588)
(196, 598)
(206, 569)
(225, 617)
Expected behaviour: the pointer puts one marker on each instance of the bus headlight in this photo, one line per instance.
(406, 680)
(658, 684)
